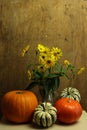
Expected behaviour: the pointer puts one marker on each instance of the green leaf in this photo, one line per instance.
(58, 67)
(48, 85)
(70, 67)
(64, 73)
(38, 75)
(28, 66)
(31, 85)
(51, 84)
(52, 75)
(57, 82)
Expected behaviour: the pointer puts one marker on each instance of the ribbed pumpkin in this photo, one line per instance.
(18, 106)
(68, 110)
(45, 115)
(72, 93)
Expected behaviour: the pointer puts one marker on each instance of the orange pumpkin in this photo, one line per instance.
(18, 106)
(68, 110)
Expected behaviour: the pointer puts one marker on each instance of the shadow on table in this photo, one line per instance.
(6, 122)
(34, 126)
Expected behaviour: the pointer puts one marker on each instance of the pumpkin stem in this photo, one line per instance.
(69, 100)
(19, 92)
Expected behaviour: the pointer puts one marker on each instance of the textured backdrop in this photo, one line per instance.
(61, 23)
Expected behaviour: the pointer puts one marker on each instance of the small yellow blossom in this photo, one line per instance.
(29, 74)
(56, 52)
(42, 57)
(41, 68)
(25, 50)
(42, 48)
(66, 62)
(81, 70)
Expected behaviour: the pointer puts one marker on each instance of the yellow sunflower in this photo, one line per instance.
(56, 52)
(41, 68)
(49, 62)
(42, 57)
(43, 49)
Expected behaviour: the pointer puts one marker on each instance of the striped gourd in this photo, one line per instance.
(72, 93)
(45, 114)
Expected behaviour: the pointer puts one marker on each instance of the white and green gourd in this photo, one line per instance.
(72, 93)
(45, 115)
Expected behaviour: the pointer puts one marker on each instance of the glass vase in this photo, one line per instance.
(51, 97)
(47, 89)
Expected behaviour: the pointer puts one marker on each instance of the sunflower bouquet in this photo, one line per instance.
(48, 70)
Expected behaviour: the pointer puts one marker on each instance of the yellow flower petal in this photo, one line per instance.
(41, 68)
(66, 62)
(49, 62)
(29, 74)
(81, 70)
(42, 48)
(25, 50)
(56, 52)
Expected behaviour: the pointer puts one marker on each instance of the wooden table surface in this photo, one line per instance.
(79, 125)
